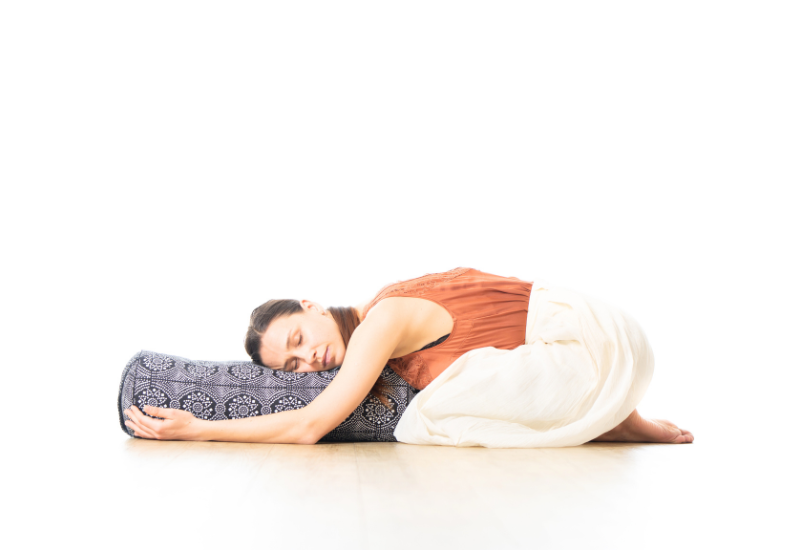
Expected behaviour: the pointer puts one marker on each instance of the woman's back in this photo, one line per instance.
(486, 310)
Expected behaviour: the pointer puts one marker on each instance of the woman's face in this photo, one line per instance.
(303, 342)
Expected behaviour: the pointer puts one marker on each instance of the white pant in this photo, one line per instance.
(583, 369)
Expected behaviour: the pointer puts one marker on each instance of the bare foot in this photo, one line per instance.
(640, 430)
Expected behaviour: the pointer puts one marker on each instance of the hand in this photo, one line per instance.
(171, 424)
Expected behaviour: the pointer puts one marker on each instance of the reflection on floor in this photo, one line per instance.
(386, 496)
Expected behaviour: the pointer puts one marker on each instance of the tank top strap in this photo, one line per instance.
(415, 287)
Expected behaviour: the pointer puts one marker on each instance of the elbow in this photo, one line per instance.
(308, 439)
(309, 434)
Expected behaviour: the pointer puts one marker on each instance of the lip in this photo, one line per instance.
(326, 359)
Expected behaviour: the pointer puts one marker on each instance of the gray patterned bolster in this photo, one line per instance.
(221, 390)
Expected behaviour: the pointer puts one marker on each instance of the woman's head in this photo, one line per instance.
(299, 336)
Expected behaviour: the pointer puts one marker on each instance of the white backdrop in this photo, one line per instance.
(168, 166)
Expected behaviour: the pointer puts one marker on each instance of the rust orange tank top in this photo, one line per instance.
(487, 311)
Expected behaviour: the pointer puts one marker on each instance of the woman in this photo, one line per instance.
(567, 369)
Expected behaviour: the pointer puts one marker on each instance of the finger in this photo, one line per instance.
(152, 425)
(143, 412)
(139, 431)
(144, 425)
(158, 411)
(135, 414)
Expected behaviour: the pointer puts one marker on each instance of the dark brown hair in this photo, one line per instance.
(346, 319)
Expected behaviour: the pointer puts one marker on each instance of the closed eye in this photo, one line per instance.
(297, 362)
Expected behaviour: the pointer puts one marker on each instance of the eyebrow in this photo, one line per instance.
(286, 364)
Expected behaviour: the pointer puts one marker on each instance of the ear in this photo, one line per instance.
(308, 305)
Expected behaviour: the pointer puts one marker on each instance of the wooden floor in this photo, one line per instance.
(168, 495)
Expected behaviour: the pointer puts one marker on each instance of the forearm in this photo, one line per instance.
(284, 427)
(370, 347)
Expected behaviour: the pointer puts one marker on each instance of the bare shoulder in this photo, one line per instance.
(396, 312)
(414, 322)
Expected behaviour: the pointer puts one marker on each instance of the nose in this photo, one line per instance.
(311, 358)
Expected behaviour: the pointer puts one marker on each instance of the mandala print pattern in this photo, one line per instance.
(246, 372)
(199, 404)
(157, 362)
(242, 406)
(220, 390)
(151, 396)
(288, 403)
(378, 413)
(201, 371)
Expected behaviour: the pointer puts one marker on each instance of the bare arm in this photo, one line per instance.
(370, 347)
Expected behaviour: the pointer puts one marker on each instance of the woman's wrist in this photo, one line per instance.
(199, 430)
